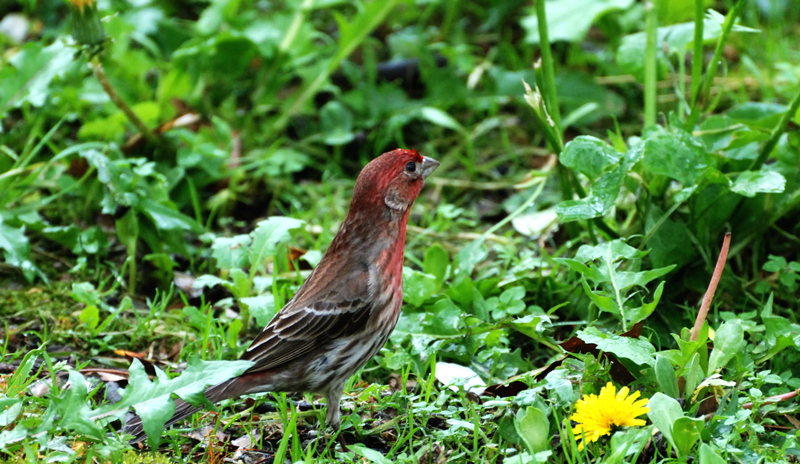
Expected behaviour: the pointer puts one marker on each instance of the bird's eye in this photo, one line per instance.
(411, 167)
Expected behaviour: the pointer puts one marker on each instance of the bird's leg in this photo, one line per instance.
(333, 417)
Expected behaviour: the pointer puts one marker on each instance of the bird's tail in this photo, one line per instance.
(183, 409)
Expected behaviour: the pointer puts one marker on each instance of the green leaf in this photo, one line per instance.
(261, 307)
(268, 235)
(564, 24)
(534, 429)
(16, 249)
(9, 410)
(445, 317)
(417, 287)
(336, 124)
(751, 182)
(589, 155)
(153, 398)
(759, 115)
(440, 118)
(31, 71)
(90, 316)
(709, 456)
(686, 432)
(369, 454)
(466, 260)
(435, 263)
(675, 38)
(667, 155)
(664, 411)
(727, 343)
(627, 443)
(637, 350)
(74, 409)
(20, 379)
(665, 376)
(166, 218)
(231, 252)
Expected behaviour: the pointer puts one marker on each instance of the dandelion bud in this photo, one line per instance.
(86, 26)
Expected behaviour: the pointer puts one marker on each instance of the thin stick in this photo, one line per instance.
(148, 134)
(712, 287)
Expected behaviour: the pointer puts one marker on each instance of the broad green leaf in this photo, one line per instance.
(589, 156)
(31, 71)
(9, 410)
(727, 343)
(166, 218)
(74, 409)
(709, 456)
(21, 377)
(90, 316)
(435, 263)
(16, 249)
(675, 38)
(564, 24)
(686, 432)
(664, 411)
(241, 283)
(445, 317)
(153, 398)
(261, 307)
(534, 429)
(760, 115)
(627, 443)
(417, 286)
(667, 155)
(751, 182)
(440, 118)
(637, 350)
(268, 235)
(231, 252)
(369, 454)
(665, 376)
(336, 124)
(466, 260)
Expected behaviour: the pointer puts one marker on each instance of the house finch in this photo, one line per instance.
(344, 313)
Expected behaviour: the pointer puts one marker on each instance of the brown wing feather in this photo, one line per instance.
(293, 334)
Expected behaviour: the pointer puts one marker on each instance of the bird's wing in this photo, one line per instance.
(297, 330)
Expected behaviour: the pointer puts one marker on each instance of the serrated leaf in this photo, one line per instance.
(261, 307)
(637, 350)
(268, 235)
(74, 409)
(231, 252)
(153, 398)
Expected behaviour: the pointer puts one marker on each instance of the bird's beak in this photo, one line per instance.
(428, 166)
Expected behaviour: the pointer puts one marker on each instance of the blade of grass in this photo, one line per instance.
(697, 53)
(650, 65)
(548, 66)
(708, 79)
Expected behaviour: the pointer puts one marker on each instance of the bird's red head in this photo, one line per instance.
(392, 180)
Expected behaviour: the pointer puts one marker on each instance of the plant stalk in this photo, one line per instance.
(146, 132)
(650, 65)
(697, 53)
(708, 79)
(548, 70)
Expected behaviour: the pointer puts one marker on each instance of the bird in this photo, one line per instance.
(344, 313)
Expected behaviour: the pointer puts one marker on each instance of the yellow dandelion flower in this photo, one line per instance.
(81, 4)
(597, 414)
